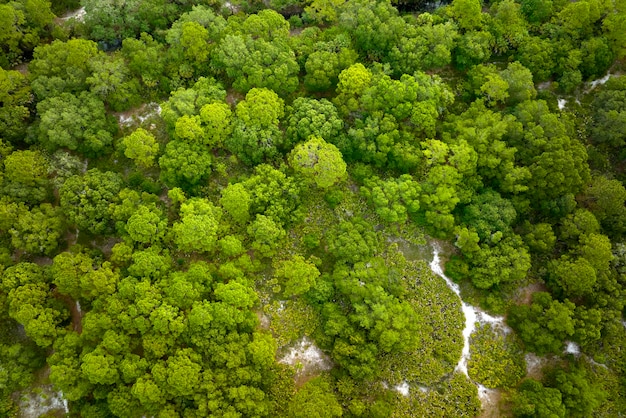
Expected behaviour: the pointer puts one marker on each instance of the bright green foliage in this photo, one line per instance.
(424, 45)
(15, 96)
(267, 235)
(536, 401)
(145, 60)
(575, 225)
(520, 83)
(297, 274)
(146, 226)
(260, 56)
(198, 225)
(192, 38)
(74, 122)
(473, 47)
(141, 147)
(309, 117)
(537, 55)
(190, 101)
(67, 270)
(216, 120)
(544, 325)
(86, 200)
(100, 282)
(467, 13)
(273, 194)
(62, 67)
(576, 278)
(540, 237)
(256, 135)
(319, 162)
(103, 18)
(185, 165)
(325, 63)
(557, 162)
(508, 26)
(315, 399)
(38, 231)
(236, 201)
(352, 83)
(506, 261)
(374, 26)
(495, 359)
(30, 303)
(394, 199)
(26, 176)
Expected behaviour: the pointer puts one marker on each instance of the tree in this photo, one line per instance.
(267, 235)
(198, 226)
(309, 117)
(535, 400)
(236, 201)
(297, 274)
(86, 200)
(15, 95)
(467, 13)
(605, 199)
(256, 135)
(315, 399)
(141, 146)
(38, 231)
(319, 162)
(185, 165)
(112, 82)
(75, 122)
(62, 67)
(146, 226)
(394, 199)
(581, 396)
(237, 56)
(545, 324)
(26, 176)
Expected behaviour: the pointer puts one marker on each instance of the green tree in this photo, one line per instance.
(308, 117)
(146, 225)
(236, 201)
(267, 235)
(185, 165)
(15, 95)
(26, 176)
(319, 162)
(38, 231)
(537, 401)
(545, 324)
(297, 274)
(394, 199)
(315, 399)
(62, 67)
(75, 122)
(141, 147)
(198, 226)
(86, 200)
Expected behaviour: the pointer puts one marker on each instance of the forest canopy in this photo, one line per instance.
(227, 209)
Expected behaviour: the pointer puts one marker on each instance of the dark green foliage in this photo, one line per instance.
(76, 123)
(535, 400)
(544, 325)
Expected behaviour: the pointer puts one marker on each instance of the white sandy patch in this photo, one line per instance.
(561, 103)
(307, 357)
(33, 405)
(534, 363)
(572, 348)
(139, 115)
(79, 15)
(402, 388)
(472, 314)
(599, 81)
